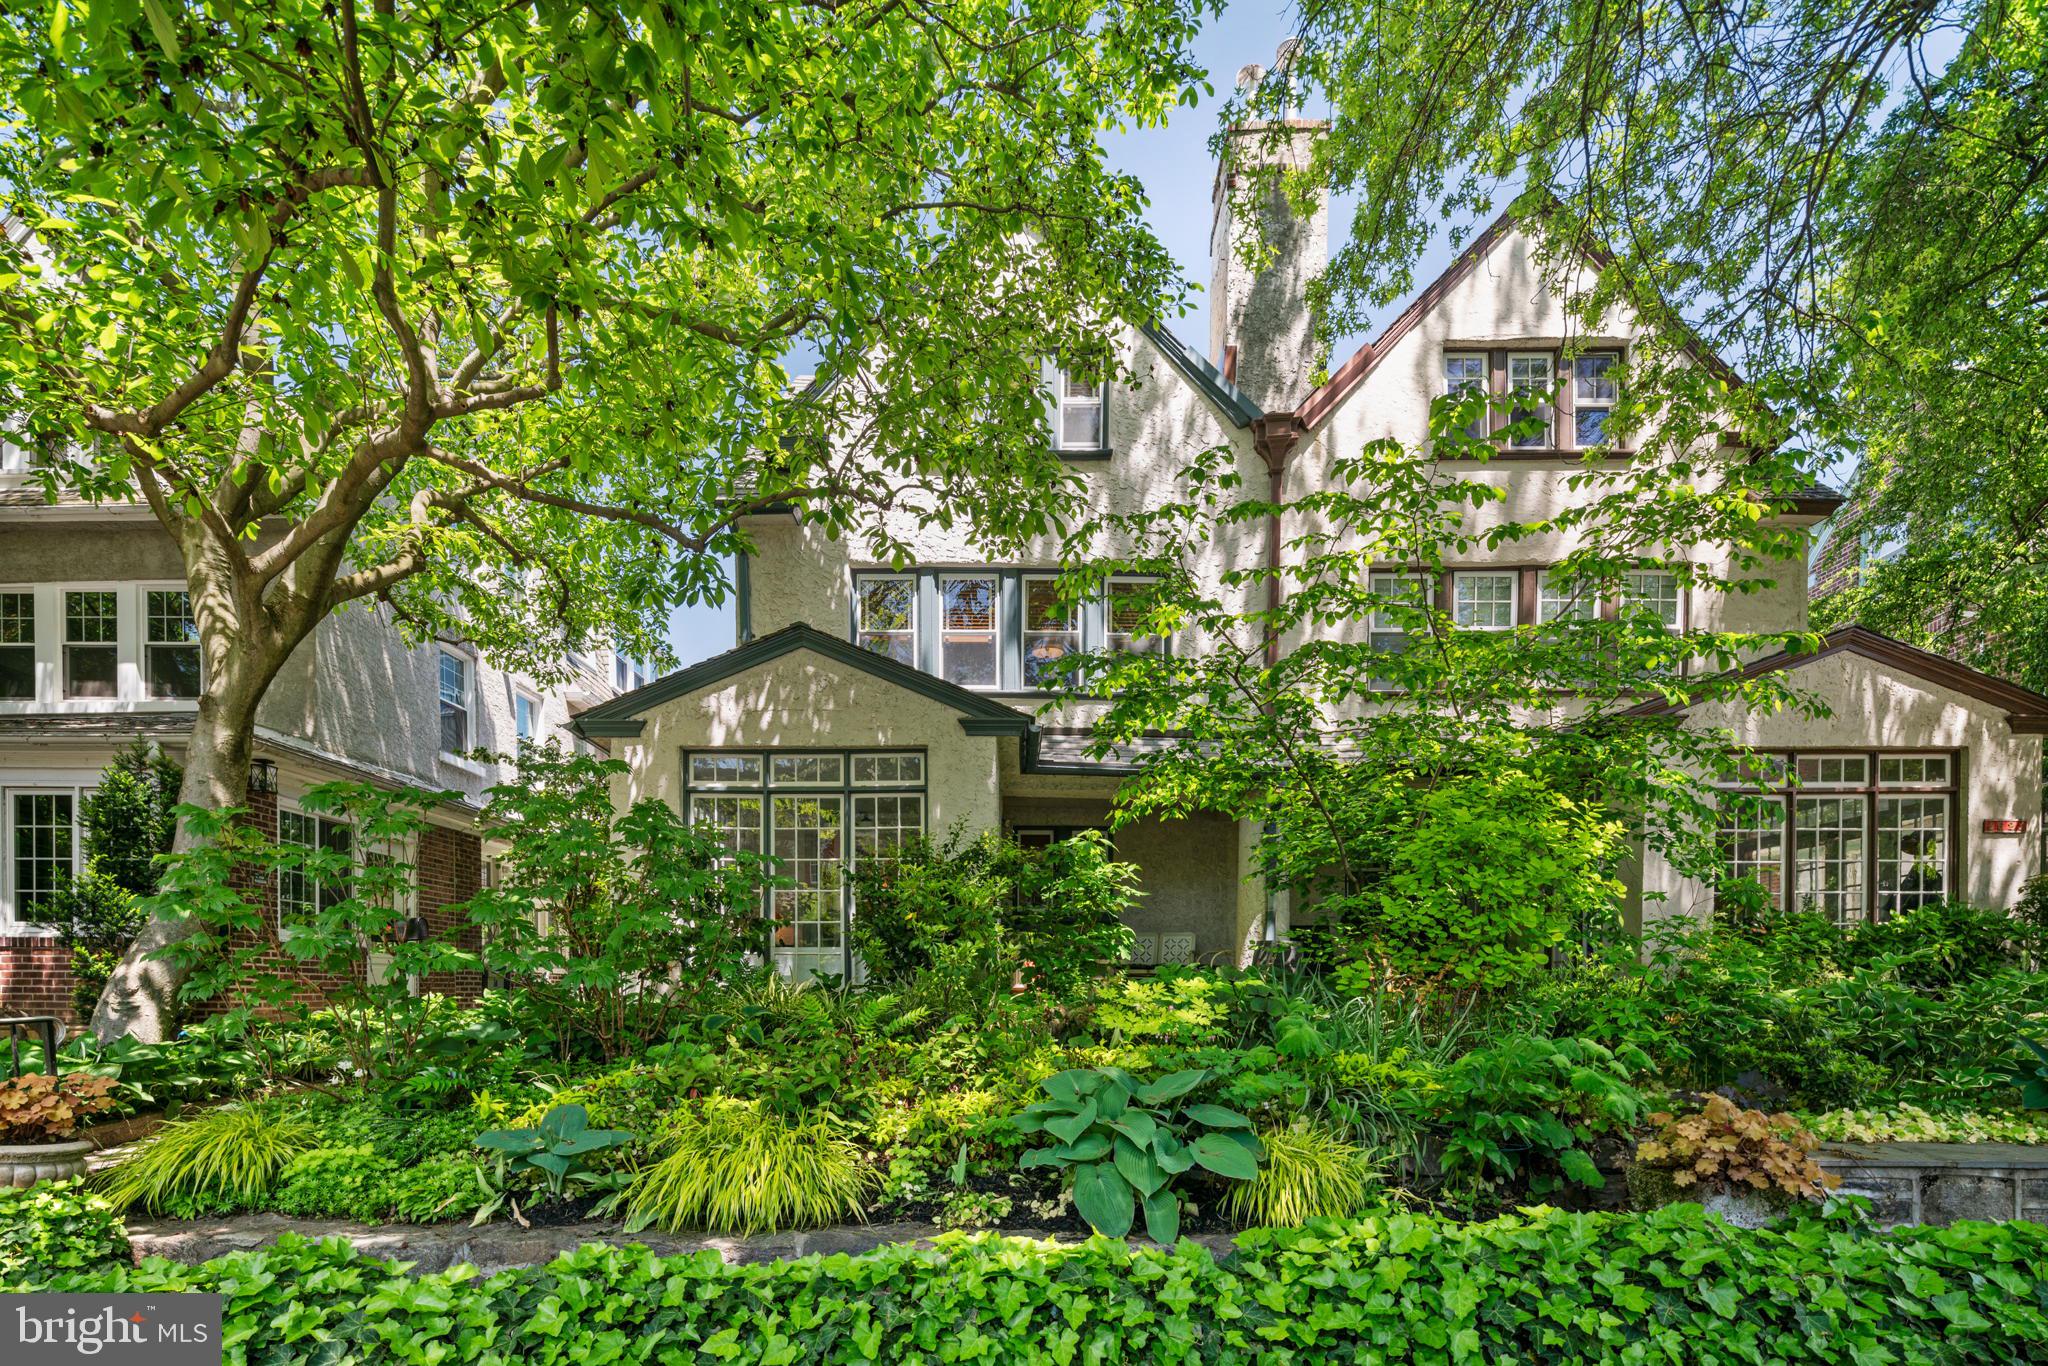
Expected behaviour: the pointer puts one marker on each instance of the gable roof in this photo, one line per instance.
(2026, 711)
(1236, 405)
(979, 714)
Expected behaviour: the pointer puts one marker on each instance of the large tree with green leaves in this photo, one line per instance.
(471, 312)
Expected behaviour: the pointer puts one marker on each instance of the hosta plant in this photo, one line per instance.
(1727, 1149)
(39, 1108)
(556, 1146)
(2031, 1076)
(1122, 1142)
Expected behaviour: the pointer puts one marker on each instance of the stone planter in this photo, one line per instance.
(1652, 1188)
(24, 1164)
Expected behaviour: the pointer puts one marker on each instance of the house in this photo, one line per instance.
(97, 649)
(865, 701)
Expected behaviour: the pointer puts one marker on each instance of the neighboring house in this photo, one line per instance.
(865, 702)
(97, 649)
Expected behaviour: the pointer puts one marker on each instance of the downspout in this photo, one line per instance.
(1274, 436)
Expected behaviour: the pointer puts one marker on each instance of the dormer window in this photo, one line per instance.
(1078, 420)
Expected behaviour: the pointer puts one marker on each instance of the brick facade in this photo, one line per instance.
(35, 971)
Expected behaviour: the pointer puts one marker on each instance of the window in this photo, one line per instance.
(885, 610)
(91, 644)
(1052, 631)
(1559, 600)
(885, 822)
(455, 738)
(42, 849)
(1656, 592)
(734, 821)
(1125, 620)
(1388, 626)
(809, 910)
(171, 644)
(1593, 396)
(968, 652)
(1530, 380)
(807, 770)
(525, 717)
(627, 673)
(17, 647)
(302, 891)
(1484, 601)
(725, 770)
(1849, 835)
(887, 770)
(1464, 372)
(1078, 426)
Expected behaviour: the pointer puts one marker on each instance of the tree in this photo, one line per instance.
(470, 312)
(124, 824)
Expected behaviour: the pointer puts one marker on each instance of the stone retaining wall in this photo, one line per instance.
(1939, 1183)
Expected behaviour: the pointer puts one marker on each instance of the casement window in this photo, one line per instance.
(525, 717)
(92, 649)
(885, 615)
(1124, 621)
(17, 646)
(1466, 372)
(300, 891)
(1484, 600)
(1388, 626)
(1656, 592)
(1850, 835)
(455, 697)
(1052, 631)
(170, 644)
(1558, 599)
(1531, 376)
(817, 813)
(1078, 422)
(42, 847)
(969, 652)
(1594, 393)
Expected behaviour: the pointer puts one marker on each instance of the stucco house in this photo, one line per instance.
(97, 649)
(865, 700)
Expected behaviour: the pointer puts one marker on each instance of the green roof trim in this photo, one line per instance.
(1204, 376)
(979, 715)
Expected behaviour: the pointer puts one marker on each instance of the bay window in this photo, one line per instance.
(1004, 630)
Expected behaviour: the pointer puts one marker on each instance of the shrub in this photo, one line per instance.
(556, 1147)
(1121, 1142)
(733, 1167)
(1725, 1148)
(124, 823)
(39, 1108)
(442, 1186)
(223, 1158)
(1939, 945)
(337, 1183)
(1912, 1124)
(1308, 1172)
(54, 1227)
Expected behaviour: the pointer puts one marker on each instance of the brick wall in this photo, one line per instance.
(35, 977)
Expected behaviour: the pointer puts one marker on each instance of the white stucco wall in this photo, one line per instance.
(1873, 707)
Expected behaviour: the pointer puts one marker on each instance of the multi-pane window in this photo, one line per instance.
(807, 770)
(888, 770)
(1465, 372)
(1124, 625)
(1560, 599)
(1483, 601)
(1078, 425)
(884, 822)
(885, 612)
(968, 651)
(725, 770)
(1593, 397)
(1530, 380)
(170, 644)
(1848, 835)
(1052, 631)
(525, 717)
(1656, 592)
(43, 845)
(455, 695)
(302, 891)
(92, 633)
(809, 909)
(1388, 626)
(627, 672)
(734, 821)
(17, 647)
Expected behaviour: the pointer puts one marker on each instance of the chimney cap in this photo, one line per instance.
(1249, 75)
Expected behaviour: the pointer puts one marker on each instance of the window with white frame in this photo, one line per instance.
(1078, 424)
(1531, 377)
(1466, 372)
(454, 689)
(1847, 834)
(1390, 623)
(170, 664)
(525, 717)
(1124, 629)
(969, 649)
(885, 615)
(92, 650)
(1656, 592)
(42, 847)
(17, 646)
(1052, 631)
(1484, 600)
(1594, 394)
(302, 891)
(1560, 599)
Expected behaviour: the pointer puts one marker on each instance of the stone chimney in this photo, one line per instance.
(1259, 332)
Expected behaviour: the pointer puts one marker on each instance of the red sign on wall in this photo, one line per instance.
(2005, 827)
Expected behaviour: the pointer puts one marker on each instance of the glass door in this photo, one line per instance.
(809, 913)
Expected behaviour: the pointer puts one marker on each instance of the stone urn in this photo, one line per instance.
(24, 1164)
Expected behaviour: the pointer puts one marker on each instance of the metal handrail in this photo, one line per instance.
(45, 1025)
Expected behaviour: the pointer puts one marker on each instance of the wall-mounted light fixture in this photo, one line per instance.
(262, 775)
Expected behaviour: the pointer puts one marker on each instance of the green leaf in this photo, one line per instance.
(1136, 1125)
(1223, 1157)
(1138, 1166)
(1162, 1216)
(160, 24)
(1068, 1087)
(1581, 1168)
(1104, 1199)
(1086, 1148)
(1216, 1117)
(1172, 1086)
(1070, 1128)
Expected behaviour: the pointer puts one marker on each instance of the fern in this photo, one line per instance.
(225, 1156)
(1309, 1172)
(733, 1168)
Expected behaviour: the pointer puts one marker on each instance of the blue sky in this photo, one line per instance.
(1174, 165)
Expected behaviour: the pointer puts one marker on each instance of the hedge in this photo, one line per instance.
(1669, 1287)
